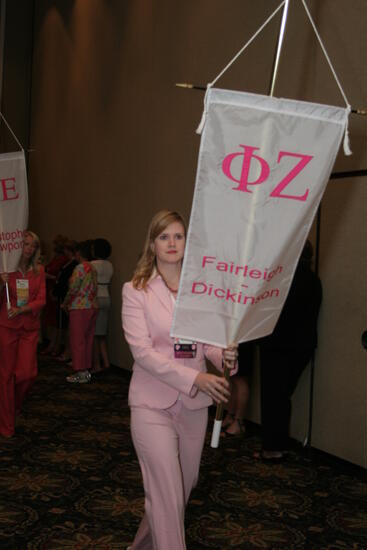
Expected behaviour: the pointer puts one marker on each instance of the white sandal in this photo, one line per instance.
(81, 377)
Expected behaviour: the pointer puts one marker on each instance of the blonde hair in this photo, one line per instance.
(147, 260)
(35, 260)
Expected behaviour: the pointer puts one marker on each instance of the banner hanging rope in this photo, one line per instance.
(211, 84)
(11, 131)
(346, 143)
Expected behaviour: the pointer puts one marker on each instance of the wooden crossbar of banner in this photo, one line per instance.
(189, 86)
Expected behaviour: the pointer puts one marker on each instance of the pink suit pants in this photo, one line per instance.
(169, 444)
(18, 370)
(82, 324)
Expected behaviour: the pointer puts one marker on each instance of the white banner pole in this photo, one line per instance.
(8, 304)
(279, 47)
(219, 412)
(219, 416)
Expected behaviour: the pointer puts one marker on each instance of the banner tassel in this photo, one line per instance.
(200, 128)
(346, 142)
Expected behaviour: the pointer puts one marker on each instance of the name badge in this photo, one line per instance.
(184, 349)
(22, 286)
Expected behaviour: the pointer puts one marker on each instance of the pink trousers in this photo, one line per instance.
(169, 444)
(18, 370)
(82, 324)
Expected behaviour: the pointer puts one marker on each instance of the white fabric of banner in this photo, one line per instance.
(263, 166)
(13, 209)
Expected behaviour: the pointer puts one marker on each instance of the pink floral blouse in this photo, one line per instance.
(82, 293)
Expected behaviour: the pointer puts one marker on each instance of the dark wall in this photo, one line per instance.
(17, 73)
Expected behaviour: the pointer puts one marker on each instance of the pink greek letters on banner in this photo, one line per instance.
(248, 155)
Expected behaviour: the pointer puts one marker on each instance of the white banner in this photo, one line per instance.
(263, 166)
(13, 209)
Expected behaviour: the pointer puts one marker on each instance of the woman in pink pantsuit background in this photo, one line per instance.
(169, 395)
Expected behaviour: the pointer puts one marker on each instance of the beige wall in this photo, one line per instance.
(115, 140)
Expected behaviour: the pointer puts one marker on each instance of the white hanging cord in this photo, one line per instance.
(203, 118)
(11, 131)
(346, 144)
(326, 54)
(247, 44)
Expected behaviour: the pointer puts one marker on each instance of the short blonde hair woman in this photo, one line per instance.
(170, 390)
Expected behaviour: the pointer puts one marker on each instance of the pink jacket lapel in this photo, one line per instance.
(157, 286)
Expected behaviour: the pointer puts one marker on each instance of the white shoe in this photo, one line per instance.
(80, 377)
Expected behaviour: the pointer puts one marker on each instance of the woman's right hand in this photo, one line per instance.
(14, 312)
(4, 277)
(217, 387)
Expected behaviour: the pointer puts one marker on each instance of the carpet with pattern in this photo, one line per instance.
(70, 480)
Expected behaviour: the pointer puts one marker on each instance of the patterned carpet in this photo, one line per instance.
(69, 480)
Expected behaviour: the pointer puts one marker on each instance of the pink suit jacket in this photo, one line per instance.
(36, 300)
(158, 378)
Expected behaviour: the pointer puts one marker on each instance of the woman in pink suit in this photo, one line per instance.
(170, 390)
(19, 331)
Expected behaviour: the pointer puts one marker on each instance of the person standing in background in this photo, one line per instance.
(101, 251)
(60, 290)
(233, 423)
(284, 355)
(81, 304)
(50, 314)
